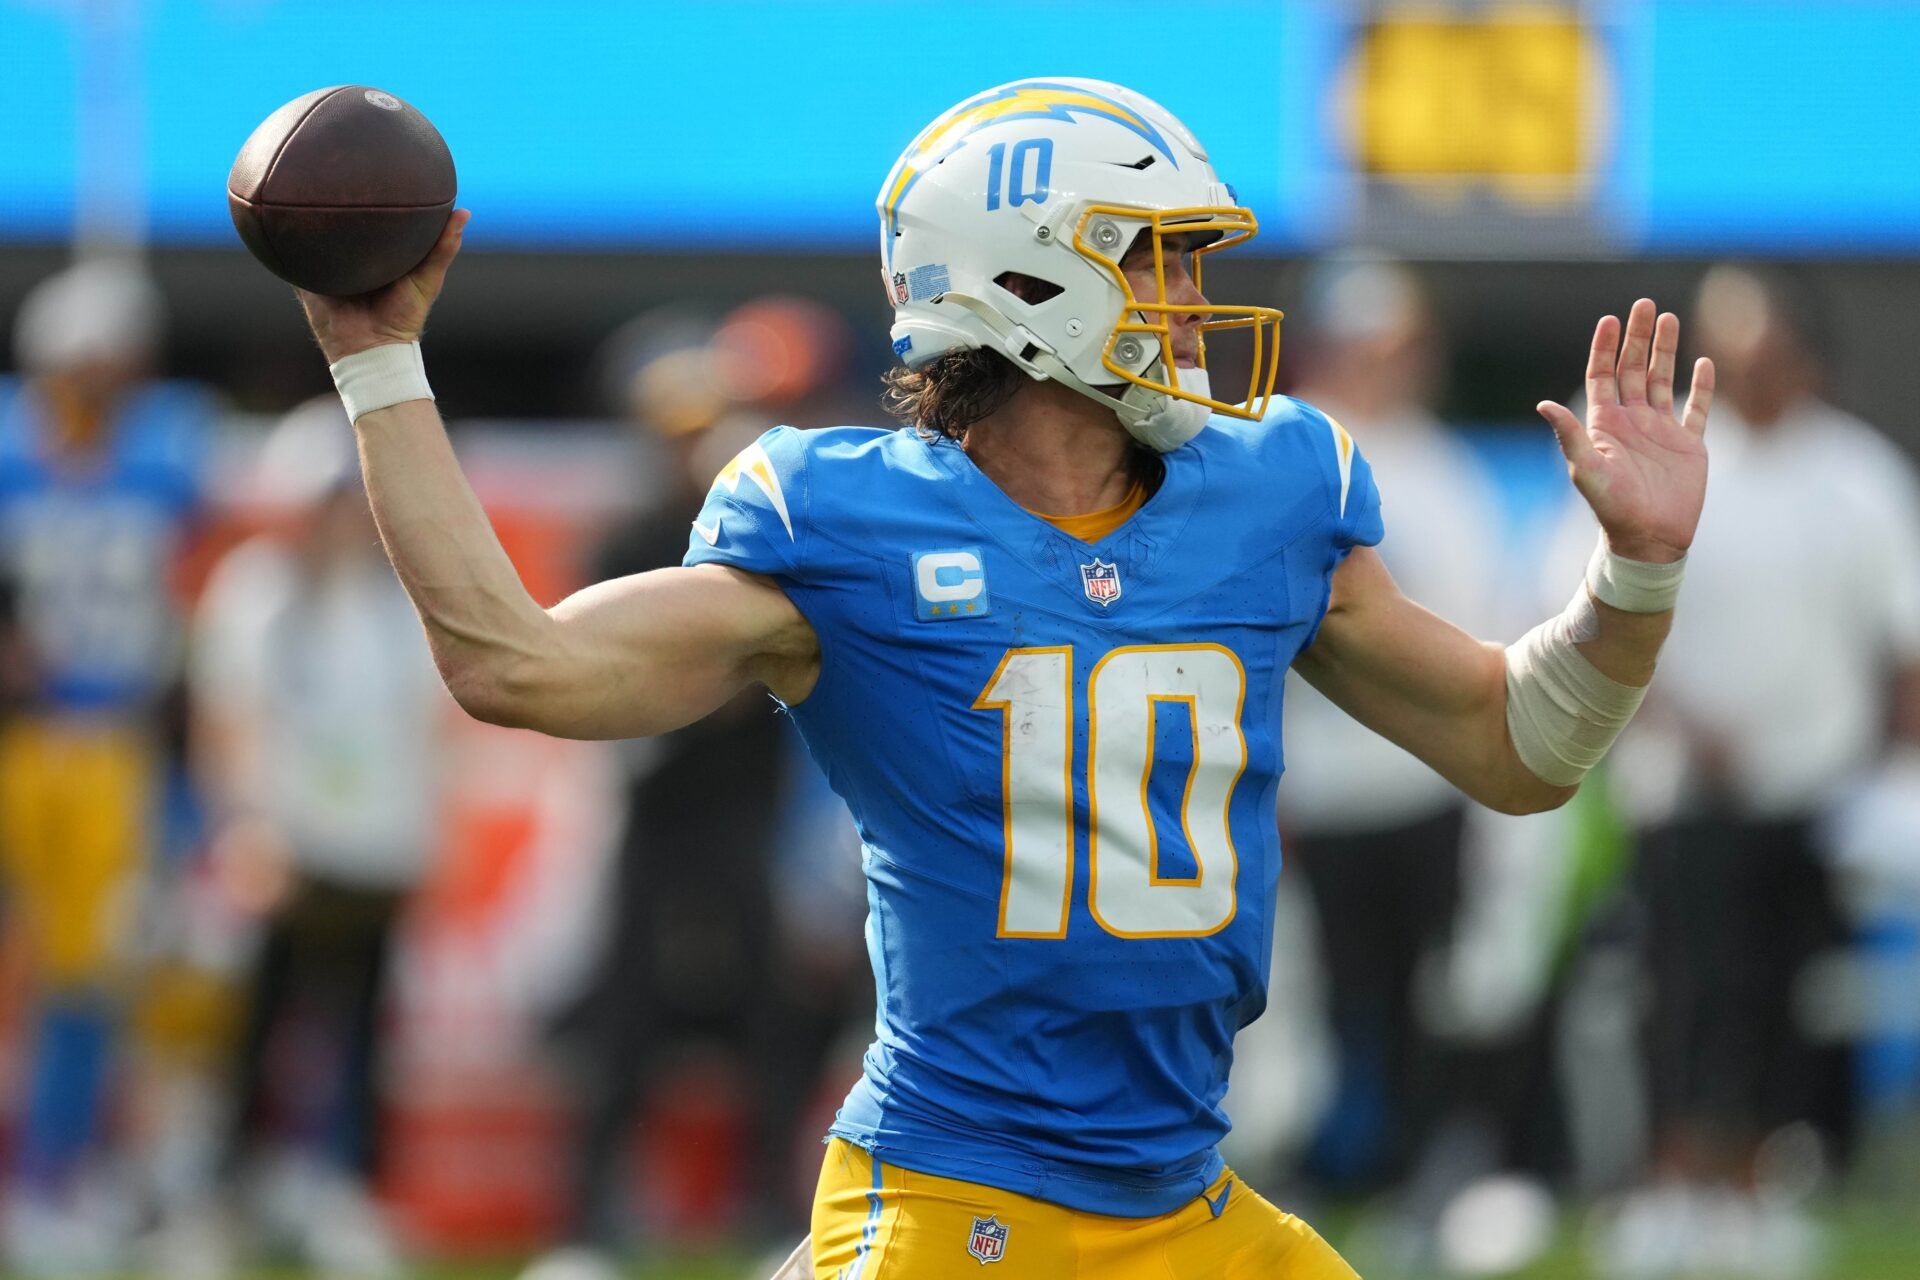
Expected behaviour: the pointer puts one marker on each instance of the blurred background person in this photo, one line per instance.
(1374, 835)
(1793, 661)
(690, 963)
(100, 487)
(318, 726)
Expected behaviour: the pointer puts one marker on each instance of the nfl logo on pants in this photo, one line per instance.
(988, 1242)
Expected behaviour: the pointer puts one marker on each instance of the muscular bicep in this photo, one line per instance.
(1415, 679)
(653, 652)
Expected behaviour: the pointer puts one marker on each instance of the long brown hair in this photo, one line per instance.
(953, 392)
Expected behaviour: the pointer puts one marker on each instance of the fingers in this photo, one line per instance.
(1601, 386)
(432, 272)
(1634, 352)
(456, 227)
(1700, 398)
(1666, 348)
(318, 308)
(1568, 430)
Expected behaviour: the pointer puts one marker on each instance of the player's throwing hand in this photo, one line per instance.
(396, 313)
(1643, 471)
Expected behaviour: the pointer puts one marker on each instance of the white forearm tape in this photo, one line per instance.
(1562, 713)
(1635, 586)
(380, 377)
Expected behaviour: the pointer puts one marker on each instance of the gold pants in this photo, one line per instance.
(75, 808)
(877, 1221)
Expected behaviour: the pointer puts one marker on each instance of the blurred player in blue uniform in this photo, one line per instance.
(99, 478)
(1037, 641)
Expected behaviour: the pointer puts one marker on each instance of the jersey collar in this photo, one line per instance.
(1138, 546)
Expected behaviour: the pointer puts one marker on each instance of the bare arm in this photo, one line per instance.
(627, 658)
(1421, 682)
(1428, 686)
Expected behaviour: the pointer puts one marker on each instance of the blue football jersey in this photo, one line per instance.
(90, 544)
(1061, 758)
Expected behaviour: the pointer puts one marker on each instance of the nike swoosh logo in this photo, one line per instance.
(1219, 1206)
(710, 532)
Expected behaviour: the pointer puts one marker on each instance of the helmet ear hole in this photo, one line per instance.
(1031, 290)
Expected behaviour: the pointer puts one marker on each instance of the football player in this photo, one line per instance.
(1036, 639)
(100, 491)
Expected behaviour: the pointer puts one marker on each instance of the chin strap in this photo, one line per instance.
(1154, 418)
(1165, 422)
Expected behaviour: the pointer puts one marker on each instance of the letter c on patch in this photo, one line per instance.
(943, 577)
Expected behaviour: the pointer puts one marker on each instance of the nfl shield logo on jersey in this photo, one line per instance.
(1102, 581)
(988, 1241)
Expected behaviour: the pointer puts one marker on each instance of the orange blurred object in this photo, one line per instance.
(778, 350)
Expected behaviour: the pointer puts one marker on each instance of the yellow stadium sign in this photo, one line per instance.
(1509, 98)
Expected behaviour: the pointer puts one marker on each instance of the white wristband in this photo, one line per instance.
(380, 377)
(1633, 586)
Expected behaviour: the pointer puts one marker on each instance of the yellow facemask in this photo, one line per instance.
(1098, 237)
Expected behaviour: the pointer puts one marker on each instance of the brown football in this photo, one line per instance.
(343, 190)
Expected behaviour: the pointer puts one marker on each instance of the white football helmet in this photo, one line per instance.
(1054, 179)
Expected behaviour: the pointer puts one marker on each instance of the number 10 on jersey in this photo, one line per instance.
(1032, 689)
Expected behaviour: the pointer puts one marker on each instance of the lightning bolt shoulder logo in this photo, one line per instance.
(753, 464)
(1343, 455)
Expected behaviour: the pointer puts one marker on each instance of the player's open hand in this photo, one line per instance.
(396, 313)
(1643, 471)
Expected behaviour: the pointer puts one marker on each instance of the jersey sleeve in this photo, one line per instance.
(172, 443)
(1351, 491)
(755, 515)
